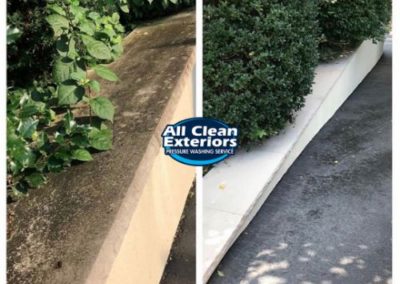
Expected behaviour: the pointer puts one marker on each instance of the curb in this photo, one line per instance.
(236, 189)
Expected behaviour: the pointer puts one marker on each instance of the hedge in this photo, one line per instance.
(345, 24)
(259, 56)
(259, 60)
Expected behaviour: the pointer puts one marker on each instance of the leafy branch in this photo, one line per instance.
(43, 134)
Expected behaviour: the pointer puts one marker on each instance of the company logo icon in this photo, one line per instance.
(199, 141)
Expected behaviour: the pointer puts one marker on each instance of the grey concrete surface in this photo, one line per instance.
(56, 233)
(328, 221)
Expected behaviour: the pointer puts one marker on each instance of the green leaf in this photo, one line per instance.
(96, 48)
(124, 8)
(12, 34)
(78, 76)
(58, 23)
(94, 15)
(81, 155)
(28, 110)
(69, 122)
(21, 154)
(62, 46)
(115, 17)
(64, 154)
(94, 86)
(102, 107)
(79, 69)
(35, 179)
(27, 127)
(117, 50)
(62, 70)
(80, 140)
(87, 27)
(105, 73)
(119, 28)
(55, 165)
(77, 10)
(42, 139)
(66, 47)
(69, 93)
(57, 9)
(100, 139)
(59, 138)
(71, 49)
(109, 31)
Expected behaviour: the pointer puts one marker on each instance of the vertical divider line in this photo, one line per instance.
(395, 143)
(3, 143)
(199, 113)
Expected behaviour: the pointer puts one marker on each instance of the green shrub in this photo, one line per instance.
(144, 9)
(43, 134)
(346, 23)
(54, 115)
(31, 56)
(259, 60)
(135, 11)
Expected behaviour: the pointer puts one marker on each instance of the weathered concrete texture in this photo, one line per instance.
(57, 231)
(329, 218)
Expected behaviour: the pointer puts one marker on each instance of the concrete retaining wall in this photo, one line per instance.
(113, 220)
(235, 189)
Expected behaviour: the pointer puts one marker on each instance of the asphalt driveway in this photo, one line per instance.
(328, 221)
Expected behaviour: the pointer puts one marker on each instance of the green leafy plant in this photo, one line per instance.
(345, 24)
(54, 113)
(31, 57)
(134, 11)
(259, 60)
(46, 124)
(144, 9)
(12, 34)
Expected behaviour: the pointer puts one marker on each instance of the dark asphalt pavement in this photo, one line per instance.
(181, 267)
(328, 221)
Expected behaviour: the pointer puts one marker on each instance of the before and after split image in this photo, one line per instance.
(199, 142)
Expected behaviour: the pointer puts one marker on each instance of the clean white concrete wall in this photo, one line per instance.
(235, 189)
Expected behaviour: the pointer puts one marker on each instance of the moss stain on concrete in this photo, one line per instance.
(55, 233)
